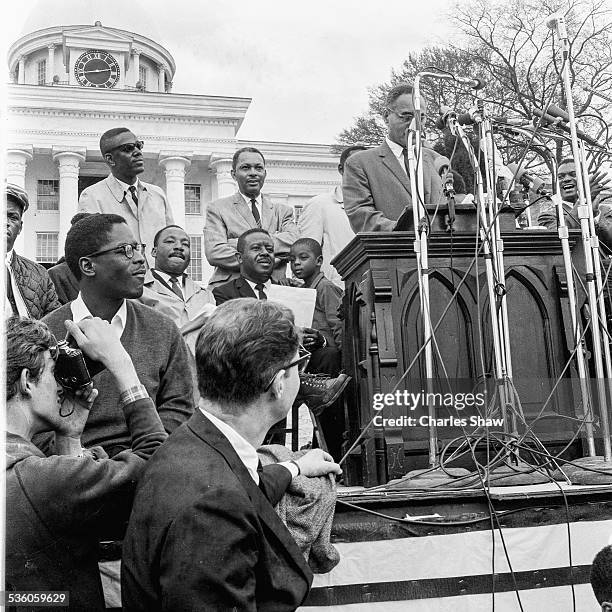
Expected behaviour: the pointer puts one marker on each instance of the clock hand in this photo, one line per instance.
(92, 71)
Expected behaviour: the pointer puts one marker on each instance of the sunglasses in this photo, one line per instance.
(301, 362)
(128, 147)
(128, 250)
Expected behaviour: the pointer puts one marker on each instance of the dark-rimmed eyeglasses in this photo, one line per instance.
(128, 250)
(301, 362)
(128, 147)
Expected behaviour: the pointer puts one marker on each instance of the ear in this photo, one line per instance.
(233, 173)
(108, 158)
(320, 260)
(25, 383)
(87, 267)
(278, 384)
(385, 115)
(239, 257)
(153, 251)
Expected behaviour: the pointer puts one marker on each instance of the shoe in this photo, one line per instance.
(318, 391)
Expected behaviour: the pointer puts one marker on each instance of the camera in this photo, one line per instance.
(70, 368)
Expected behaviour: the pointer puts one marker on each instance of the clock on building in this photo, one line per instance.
(97, 69)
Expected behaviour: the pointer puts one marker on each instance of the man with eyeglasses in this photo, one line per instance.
(58, 507)
(203, 534)
(144, 206)
(229, 217)
(376, 183)
(108, 263)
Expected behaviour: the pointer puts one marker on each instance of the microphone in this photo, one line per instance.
(557, 21)
(475, 83)
(559, 122)
(446, 112)
(516, 121)
(533, 183)
(555, 111)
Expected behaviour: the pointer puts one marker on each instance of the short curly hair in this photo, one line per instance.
(26, 342)
(601, 575)
(242, 345)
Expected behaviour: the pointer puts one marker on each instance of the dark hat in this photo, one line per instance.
(16, 194)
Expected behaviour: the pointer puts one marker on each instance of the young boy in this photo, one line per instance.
(324, 339)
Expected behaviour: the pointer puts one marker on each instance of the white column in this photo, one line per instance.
(221, 167)
(50, 63)
(16, 163)
(135, 66)
(161, 79)
(68, 162)
(21, 70)
(174, 166)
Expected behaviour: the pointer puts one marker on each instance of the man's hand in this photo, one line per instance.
(74, 411)
(598, 181)
(312, 339)
(99, 341)
(317, 463)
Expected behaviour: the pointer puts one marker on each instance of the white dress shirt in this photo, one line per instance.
(126, 189)
(266, 285)
(22, 309)
(245, 450)
(258, 204)
(80, 312)
(398, 151)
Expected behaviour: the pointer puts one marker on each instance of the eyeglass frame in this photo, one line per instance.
(138, 144)
(140, 247)
(303, 358)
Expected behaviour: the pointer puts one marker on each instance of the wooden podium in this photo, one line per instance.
(383, 333)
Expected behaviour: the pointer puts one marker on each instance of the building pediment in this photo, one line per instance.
(96, 37)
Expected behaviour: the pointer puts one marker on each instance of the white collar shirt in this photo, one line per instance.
(22, 309)
(398, 151)
(126, 189)
(80, 311)
(258, 203)
(167, 277)
(246, 452)
(266, 285)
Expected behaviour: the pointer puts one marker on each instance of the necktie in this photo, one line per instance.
(260, 290)
(405, 156)
(176, 288)
(132, 189)
(255, 213)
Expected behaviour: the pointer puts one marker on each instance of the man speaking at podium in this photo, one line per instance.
(376, 183)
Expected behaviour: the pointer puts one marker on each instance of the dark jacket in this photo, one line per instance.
(59, 508)
(203, 536)
(35, 287)
(66, 284)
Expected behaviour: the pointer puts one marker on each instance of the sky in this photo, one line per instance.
(306, 66)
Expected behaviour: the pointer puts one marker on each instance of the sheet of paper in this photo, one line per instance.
(300, 301)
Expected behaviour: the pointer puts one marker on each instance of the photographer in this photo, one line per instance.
(59, 507)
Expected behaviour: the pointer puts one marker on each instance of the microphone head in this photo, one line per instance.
(478, 84)
(552, 21)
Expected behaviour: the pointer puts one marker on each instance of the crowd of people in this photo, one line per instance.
(150, 475)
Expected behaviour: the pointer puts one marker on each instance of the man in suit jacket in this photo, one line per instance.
(170, 291)
(227, 218)
(144, 207)
(376, 184)
(255, 258)
(211, 540)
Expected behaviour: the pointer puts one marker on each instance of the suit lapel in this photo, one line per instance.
(244, 289)
(243, 210)
(389, 160)
(115, 188)
(162, 287)
(268, 221)
(206, 431)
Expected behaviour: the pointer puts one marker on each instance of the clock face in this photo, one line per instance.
(97, 69)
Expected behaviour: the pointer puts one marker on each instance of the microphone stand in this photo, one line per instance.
(590, 242)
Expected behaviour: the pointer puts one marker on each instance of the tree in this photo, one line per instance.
(509, 45)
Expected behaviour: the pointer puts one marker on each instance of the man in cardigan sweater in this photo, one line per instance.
(109, 265)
